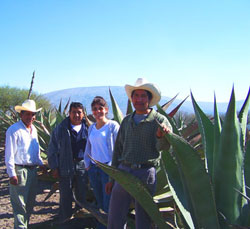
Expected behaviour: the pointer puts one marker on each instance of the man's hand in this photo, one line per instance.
(160, 133)
(55, 173)
(14, 180)
(43, 168)
(87, 168)
(108, 187)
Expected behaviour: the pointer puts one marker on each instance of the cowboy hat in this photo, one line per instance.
(143, 84)
(27, 105)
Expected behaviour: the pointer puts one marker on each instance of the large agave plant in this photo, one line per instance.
(6, 120)
(214, 188)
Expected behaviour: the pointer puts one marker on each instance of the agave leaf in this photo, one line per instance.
(206, 129)
(48, 116)
(129, 108)
(229, 166)
(60, 106)
(163, 190)
(180, 222)
(173, 112)
(118, 116)
(167, 104)
(245, 216)
(217, 131)
(243, 115)
(59, 117)
(52, 123)
(190, 130)
(243, 195)
(7, 120)
(161, 111)
(47, 124)
(247, 168)
(197, 182)
(176, 187)
(164, 200)
(66, 107)
(99, 214)
(245, 212)
(137, 189)
(162, 180)
(86, 117)
(55, 187)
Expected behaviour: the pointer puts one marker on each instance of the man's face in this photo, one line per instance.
(76, 116)
(28, 117)
(140, 101)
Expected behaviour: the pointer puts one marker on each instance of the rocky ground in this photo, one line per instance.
(45, 212)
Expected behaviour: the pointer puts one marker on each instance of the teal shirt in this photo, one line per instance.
(138, 143)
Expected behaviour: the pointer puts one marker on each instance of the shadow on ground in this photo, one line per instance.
(76, 223)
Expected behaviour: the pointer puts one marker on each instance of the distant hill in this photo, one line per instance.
(85, 95)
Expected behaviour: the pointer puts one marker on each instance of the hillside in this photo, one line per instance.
(86, 94)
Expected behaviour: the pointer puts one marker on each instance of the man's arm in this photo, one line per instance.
(165, 127)
(53, 154)
(10, 149)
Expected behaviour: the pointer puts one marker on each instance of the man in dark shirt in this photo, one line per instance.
(65, 158)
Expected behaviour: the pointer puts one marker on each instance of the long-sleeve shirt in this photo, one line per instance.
(60, 155)
(137, 143)
(100, 143)
(21, 147)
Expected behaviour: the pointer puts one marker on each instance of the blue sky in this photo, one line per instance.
(202, 46)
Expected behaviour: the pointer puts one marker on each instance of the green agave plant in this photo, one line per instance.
(210, 191)
(6, 120)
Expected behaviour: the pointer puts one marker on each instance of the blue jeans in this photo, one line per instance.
(66, 184)
(98, 179)
(120, 200)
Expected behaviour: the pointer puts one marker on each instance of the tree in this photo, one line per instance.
(12, 96)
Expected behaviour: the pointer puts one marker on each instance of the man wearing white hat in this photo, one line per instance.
(22, 158)
(136, 151)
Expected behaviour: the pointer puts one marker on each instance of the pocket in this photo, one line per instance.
(80, 165)
(151, 179)
(21, 176)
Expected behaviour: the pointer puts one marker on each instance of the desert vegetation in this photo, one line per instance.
(203, 180)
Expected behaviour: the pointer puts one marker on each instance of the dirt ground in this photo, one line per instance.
(45, 212)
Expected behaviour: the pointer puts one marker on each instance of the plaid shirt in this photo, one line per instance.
(138, 143)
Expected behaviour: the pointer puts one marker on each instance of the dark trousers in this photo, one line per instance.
(66, 185)
(120, 200)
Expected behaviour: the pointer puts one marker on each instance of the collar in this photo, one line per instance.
(149, 118)
(31, 127)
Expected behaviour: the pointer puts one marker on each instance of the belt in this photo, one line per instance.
(137, 166)
(27, 166)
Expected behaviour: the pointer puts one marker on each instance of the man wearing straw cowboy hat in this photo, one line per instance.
(137, 151)
(22, 157)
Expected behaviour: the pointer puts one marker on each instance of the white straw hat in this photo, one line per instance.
(143, 84)
(27, 105)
